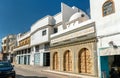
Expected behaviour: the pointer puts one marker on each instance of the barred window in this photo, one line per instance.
(108, 7)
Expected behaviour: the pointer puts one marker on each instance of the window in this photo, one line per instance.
(26, 42)
(29, 50)
(82, 15)
(55, 30)
(46, 47)
(108, 7)
(4, 47)
(43, 32)
(5, 41)
(37, 48)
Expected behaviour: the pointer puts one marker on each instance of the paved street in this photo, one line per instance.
(22, 73)
(27, 71)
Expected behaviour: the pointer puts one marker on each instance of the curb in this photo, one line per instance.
(69, 74)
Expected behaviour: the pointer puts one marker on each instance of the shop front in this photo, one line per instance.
(37, 59)
(109, 59)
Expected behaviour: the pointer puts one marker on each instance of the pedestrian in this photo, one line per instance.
(114, 73)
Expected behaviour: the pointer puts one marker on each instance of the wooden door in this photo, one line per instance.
(68, 61)
(85, 65)
(55, 61)
(88, 62)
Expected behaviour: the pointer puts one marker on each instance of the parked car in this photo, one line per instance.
(6, 70)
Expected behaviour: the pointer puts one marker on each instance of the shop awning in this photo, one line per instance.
(110, 51)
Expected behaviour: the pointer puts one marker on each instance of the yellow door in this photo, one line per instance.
(68, 61)
(82, 62)
(55, 61)
(85, 65)
(88, 62)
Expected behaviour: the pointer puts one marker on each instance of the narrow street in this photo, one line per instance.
(22, 73)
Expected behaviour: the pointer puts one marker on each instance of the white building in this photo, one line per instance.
(23, 49)
(73, 48)
(40, 38)
(71, 33)
(106, 14)
(41, 31)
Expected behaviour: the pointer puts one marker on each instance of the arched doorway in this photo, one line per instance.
(55, 61)
(67, 61)
(85, 61)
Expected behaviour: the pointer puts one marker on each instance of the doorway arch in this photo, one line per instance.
(67, 61)
(55, 61)
(84, 62)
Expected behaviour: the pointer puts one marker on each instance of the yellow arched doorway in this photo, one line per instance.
(67, 61)
(55, 61)
(84, 62)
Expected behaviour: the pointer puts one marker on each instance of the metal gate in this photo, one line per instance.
(18, 59)
(25, 59)
(28, 60)
(37, 59)
(21, 60)
(46, 61)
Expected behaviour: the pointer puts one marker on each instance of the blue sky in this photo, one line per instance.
(17, 16)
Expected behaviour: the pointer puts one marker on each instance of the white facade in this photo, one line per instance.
(108, 32)
(42, 29)
(107, 27)
(108, 24)
(22, 52)
(64, 16)
(40, 33)
(22, 37)
(38, 38)
(49, 28)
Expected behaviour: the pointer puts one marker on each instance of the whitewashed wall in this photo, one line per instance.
(67, 11)
(108, 24)
(105, 41)
(37, 37)
(58, 18)
(47, 20)
(27, 34)
(105, 26)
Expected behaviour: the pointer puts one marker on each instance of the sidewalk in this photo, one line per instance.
(70, 75)
(39, 69)
(36, 69)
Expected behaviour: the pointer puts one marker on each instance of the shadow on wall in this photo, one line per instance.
(20, 76)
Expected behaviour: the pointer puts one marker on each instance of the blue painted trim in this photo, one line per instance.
(104, 66)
